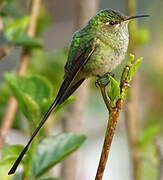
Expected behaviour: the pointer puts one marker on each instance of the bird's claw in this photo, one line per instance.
(111, 74)
(98, 82)
(103, 80)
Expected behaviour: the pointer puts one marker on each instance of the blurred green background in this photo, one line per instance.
(55, 29)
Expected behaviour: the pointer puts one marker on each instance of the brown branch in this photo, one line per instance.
(5, 51)
(112, 122)
(12, 106)
(131, 107)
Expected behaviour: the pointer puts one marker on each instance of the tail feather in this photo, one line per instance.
(70, 91)
(64, 92)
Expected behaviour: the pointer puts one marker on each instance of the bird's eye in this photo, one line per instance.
(111, 23)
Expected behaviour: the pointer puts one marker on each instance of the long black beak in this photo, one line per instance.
(137, 16)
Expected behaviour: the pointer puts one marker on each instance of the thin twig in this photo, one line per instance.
(12, 106)
(112, 122)
(103, 92)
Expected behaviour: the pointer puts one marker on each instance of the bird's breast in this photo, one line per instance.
(104, 60)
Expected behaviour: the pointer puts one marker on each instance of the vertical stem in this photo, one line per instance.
(12, 106)
(72, 121)
(112, 122)
(131, 107)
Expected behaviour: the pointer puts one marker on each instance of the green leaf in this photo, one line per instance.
(114, 91)
(131, 58)
(148, 135)
(134, 68)
(15, 32)
(28, 42)
(52, 150)
(9, 155)
(130, 68)
(30, 92)
(4, 168)
(11, 152)
(32, 107)
(16, 29)
(127, 67)
(28, 160)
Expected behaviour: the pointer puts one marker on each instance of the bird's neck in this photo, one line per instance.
(116, 40)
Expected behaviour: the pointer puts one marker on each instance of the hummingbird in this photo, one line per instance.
(95, 51)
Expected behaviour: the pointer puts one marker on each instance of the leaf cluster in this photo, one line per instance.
(49, 152)
(115, 89)
(15, 33)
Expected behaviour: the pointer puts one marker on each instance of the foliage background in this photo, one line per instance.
(55, 30)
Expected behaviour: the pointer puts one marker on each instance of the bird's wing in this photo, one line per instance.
(81, 56)
(82, 44)
(73, 66)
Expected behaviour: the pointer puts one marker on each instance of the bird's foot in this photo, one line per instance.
(111, 74)
(103, 80)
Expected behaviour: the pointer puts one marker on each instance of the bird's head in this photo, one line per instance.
(111, 20)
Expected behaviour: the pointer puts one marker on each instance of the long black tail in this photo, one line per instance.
(64, 92)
